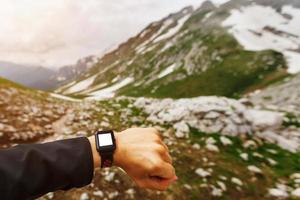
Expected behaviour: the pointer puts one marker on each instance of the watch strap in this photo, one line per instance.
(106, 159)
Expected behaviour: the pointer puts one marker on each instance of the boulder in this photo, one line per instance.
(262, 120)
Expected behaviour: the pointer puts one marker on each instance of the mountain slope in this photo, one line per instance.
(26, 115)
(284, 96)
(35, 77)
(43, 78)
(179, 55)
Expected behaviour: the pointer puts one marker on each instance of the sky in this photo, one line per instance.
(54, 33)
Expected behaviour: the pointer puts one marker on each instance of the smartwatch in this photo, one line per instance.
(106, 146)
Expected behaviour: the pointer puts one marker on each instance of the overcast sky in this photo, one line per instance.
(54, 33)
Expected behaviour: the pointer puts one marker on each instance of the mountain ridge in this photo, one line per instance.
(182, 54)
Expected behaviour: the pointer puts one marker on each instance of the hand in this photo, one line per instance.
(145, 158)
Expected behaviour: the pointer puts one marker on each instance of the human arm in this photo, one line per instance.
(29, 171)
(143, 156)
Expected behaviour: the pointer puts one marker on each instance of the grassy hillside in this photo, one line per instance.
(7, 83)
(230, 73)
(206, 60)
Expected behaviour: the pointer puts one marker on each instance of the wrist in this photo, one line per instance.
(96, 156)
(118, 151)
(117, 154)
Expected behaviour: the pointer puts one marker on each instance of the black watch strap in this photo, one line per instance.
(106, 159)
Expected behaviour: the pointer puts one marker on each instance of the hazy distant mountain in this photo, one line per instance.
(72, 72)
(35, 77)
(43, 78)
(203, 51)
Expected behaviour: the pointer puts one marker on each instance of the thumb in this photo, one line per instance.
(158, 183)
(164, 171)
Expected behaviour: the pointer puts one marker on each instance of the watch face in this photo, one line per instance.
(105, 140)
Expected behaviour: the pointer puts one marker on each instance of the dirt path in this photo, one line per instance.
(58, 127)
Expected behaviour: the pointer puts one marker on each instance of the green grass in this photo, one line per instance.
(236, 72)
(5, 82)
(291, 120)
(288, 162)
(228, 163)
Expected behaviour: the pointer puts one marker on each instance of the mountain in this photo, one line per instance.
(43, 78)
(179, 55)
(69, 73)
(222, 148)
(34, 77)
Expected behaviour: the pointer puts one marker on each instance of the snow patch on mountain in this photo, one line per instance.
(167, 71)
(109, 92)
(81, 85)
(62, 97)
(173, 30)
(259, 28)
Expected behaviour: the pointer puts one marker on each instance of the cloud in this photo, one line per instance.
(53, 33)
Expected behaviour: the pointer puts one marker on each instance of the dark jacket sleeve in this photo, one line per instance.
(29, 171)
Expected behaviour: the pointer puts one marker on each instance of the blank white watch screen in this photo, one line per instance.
(105, 140)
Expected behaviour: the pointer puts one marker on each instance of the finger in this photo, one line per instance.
(167, 158)
(156, 183)
(166, 147)
(164, 154)
(164, 171)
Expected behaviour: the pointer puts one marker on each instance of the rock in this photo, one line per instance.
(216, 192)
(297, 181)
(296, 193)
(275, 192)
(262, 120)
(210, 140)
(222, 185)
(254, 169)
(244, 156)
(272, 151)
(258, 155)
(113, 195)
(224, 178)
(84, 196)
(187, 186)
(109, 176)
(196, 146)
(104, 124)
(272, 162)
(249, 144)
(290, 145)
(212, 148)
(130, 191)
(236, 181)
(212, 115)
(201, 172)
(203, 113)
(225, 141)
(182, 129)
(98, 193)
(295, 176)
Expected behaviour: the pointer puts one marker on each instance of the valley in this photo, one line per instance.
(228, 111)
